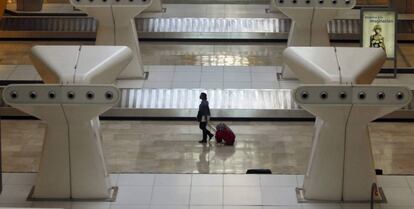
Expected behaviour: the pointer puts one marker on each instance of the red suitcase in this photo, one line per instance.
(224, 134)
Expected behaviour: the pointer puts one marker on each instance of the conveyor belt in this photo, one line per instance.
(224, 103)
(181, 28)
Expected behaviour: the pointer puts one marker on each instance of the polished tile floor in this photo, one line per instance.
(197, 191)
(194, 53)
(171, 147)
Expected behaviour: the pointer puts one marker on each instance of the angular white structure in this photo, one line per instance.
(72, 164)
(335, 66)
(80, 64)
(116, 26)
(309, 21)
(341, 166)
(71, 114)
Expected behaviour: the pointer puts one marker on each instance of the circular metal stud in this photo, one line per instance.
(71, 95)
(362, 95)
(381, 95)
(342, 95)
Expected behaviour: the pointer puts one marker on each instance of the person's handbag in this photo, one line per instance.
(199, 116)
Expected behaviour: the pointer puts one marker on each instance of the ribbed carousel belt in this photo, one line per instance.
(78, 27)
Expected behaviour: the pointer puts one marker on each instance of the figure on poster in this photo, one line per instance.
(376, 39)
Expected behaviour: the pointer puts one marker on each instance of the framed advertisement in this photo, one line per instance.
(378, 29)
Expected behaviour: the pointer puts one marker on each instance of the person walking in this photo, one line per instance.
(203, 117)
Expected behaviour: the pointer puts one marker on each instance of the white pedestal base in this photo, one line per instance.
(116, 26)
(341, 166)
(72, 164)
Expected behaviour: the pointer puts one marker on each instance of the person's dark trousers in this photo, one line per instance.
(203, 127)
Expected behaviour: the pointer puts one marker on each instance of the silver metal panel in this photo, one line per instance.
(212, 25)
(250, 99)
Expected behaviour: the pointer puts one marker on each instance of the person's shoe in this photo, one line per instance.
(202, 141)
(210, 137)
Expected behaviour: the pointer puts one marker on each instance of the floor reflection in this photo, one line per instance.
(172, 147)
(196, 53)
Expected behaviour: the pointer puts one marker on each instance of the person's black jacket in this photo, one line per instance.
(203, 110)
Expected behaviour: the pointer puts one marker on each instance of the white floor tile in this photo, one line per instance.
(91, 205)
(242, 195)
(6, 71)
(187, 68)
(264, 77)
(211, 85)
(279, 196)
(288, 84)
(15, 193)
(392, 181)
(158, 68)
(155, 84)
(215, 10)
(237, 77)
(21, 179)
(237, 85)
(357, 206)
(130, 206)
(38, 78)
(212, 69)
(160, 76)
(381, 81)
(23, 74)
(171, 195)
(5, 177)
(241, 180)
(136, 179)
(172, 180)
(300, 179)
(187, 76)
(169, 206)
(114, 179)
(25, 67)
(16, 205)
(265, 85)
(282, 207)
(405, 78)
(410, 180)
(237, 69)
(134, 195)
(206, 207)
(264, 69)
(212, 76)
(278, 180)
(65, 205)
(206, 195)
(130, 83)
(207, 180)
(186, 84)
(242, 207)
(385, 206)
(321, 206)
(399, 196)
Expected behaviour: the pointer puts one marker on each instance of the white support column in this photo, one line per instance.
(72, 164)
(341, 167)
(309, 22)
(118, 21)
(326, 174)
(78, 139)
